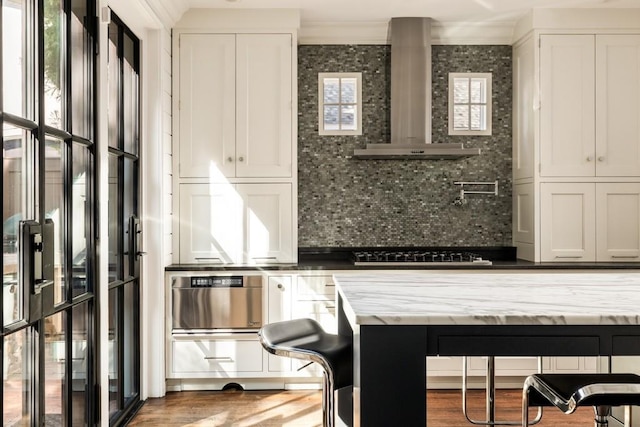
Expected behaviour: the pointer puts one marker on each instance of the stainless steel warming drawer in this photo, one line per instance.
(217, 303)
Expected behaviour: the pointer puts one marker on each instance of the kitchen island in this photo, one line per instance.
(398, 320)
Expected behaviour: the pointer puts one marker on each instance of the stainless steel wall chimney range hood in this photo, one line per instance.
(411, 98)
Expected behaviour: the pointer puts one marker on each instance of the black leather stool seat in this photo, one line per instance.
(306, 339)
(567, 392)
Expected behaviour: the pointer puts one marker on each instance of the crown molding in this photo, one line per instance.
(377, 33)
(168, 11)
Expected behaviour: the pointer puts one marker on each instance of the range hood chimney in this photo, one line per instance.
(411, 98)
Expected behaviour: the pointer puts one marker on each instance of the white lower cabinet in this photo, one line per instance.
(216, 359)
(590, 222)
(278, 309)
(193, 358)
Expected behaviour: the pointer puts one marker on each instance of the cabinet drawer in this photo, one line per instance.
(322, 311)
(315, 288)
(195, 356)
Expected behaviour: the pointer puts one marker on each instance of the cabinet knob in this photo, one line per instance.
(601, 159)
(241, 159)
(589, 158)
(230, 159)
(280, 286)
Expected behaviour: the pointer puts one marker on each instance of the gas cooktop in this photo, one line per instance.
(417, 258)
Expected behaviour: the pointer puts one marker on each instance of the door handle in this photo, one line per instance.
(35, 251)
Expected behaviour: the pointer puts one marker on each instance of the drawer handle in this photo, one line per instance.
(219, 359)
(624, 256)
(216, 259)
(264, 259)
(568, 257)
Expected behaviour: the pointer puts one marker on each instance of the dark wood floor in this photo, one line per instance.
(302, 409)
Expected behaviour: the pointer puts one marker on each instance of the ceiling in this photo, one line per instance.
(360, 11)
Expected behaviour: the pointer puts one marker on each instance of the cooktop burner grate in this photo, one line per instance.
(417, 257)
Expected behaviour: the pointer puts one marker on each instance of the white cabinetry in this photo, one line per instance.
(235, 173)
(591, 221)
(576, 146)
(590, 105)
(235, 105)
(279, 292)
(236, 223)
(315, 298)
(194, 357)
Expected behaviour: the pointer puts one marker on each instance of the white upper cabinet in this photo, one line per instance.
(523, 100)
(567, 105)
(589, 105)
(207, 112)
(235, 106)
(618, 105)
(264, 105)
(236, 223)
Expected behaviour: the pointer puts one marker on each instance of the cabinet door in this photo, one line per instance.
(567, 222)
(203, 357)
(264, 105)
(210, 223)
(523, 104)
(567, 105)
(618, 221)
(268, 226)
(618, 105)
(206, 126)
(523, 202)
(278, 309)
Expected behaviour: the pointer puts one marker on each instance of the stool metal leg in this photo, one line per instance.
(491, 397)
(602, 416)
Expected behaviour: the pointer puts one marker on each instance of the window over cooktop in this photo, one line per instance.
(340, 103)
(469, 103)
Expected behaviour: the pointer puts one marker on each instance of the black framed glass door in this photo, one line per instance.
(124, 226)
(49, 310)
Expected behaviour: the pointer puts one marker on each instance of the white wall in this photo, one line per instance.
(152, 25)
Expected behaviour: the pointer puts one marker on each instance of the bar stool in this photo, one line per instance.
(567, 392)
(305, 339)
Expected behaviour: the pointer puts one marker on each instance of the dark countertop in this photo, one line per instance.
(318, 259)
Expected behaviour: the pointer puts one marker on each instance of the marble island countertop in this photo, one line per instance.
(491, 298)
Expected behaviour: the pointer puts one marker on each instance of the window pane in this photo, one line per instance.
(113, 218)
(55, 355)
(331, 91)
(114, 80)
(80, 212)
(477, 117)
(130, 83)
(17, 385)
(348, 117)
(349, 90)
(81, 72)
(53, 63)
(478, 91)
(461, 117)
(331, 117)
(55, 210)
(16, 60)
(461, 91)
(130, 339)
(114, 390)
(79, 363)
(128, 209)
(13, 210)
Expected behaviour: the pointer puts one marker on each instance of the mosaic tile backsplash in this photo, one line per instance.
(347, 202)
